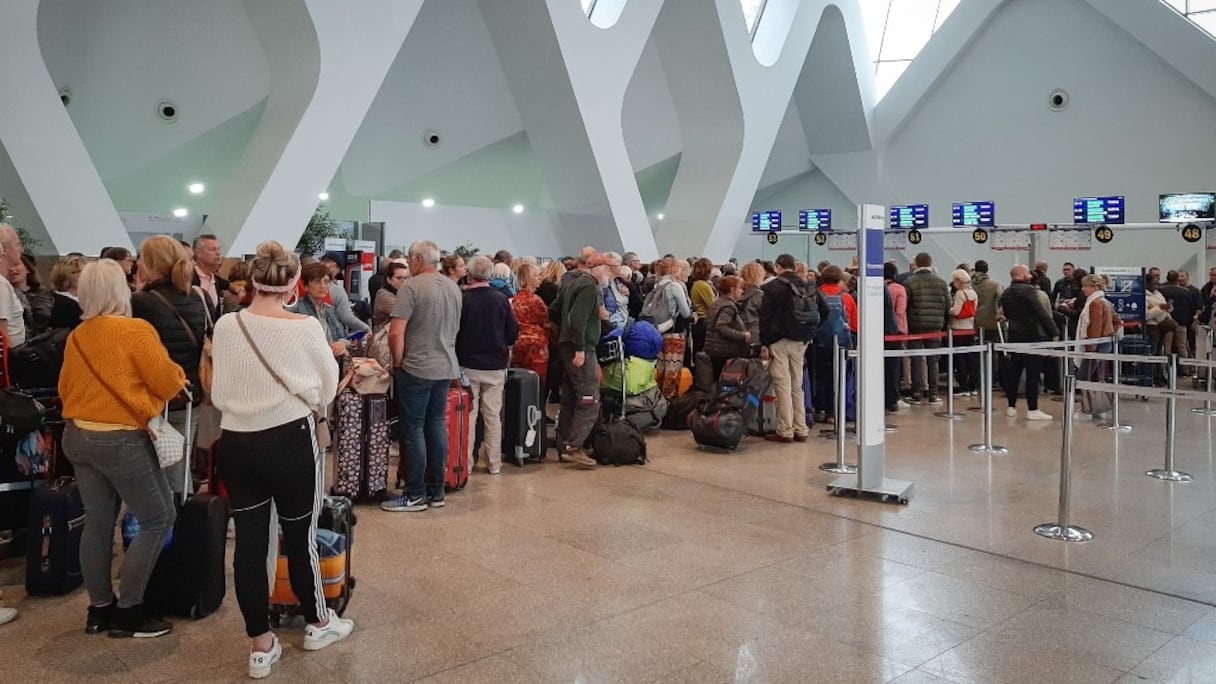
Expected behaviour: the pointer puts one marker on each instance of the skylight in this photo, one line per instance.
(1202, 13)
(752, 10)
(898, 30)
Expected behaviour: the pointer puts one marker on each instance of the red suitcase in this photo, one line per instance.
(460, 407)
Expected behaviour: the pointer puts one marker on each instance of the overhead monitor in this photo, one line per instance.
(1188, 206)
(815, 219)
(909, 216)
(1097, 210)
(766, 221)
(977, 214)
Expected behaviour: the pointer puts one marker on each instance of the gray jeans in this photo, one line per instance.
(112, 467)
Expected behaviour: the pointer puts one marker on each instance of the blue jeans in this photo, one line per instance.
(424, 434)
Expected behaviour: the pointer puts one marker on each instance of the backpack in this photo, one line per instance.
(836, 326)
(655, 310)
(617, 444)
(681, 409)
(646, 410)
(802, 311)
(36, 364)
(968, 308)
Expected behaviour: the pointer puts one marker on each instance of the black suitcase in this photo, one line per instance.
(523, 417)
(188, 579)
(56, 520)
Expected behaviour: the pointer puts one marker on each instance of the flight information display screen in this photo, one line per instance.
(910, 216)
(978, 214)
(815, 219)
(1097, 210)
(766, 221)
(1188, 206)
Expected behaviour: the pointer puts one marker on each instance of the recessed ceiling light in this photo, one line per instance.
(428, 203)
(196, 188)
(518, 208)
(324, 196)
(659, 217)
(180, 212)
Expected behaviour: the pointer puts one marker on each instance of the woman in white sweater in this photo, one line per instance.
(273, 370)
(962, 317)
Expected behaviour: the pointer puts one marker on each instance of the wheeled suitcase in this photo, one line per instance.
(459, 410)
(55, 523)
(764, 419)
(362, 448)
(188, 579)
(335, 542)
(523, 417)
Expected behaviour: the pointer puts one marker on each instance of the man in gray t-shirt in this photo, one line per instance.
(422, 339)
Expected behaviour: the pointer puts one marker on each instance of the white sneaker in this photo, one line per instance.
(7, 615)
(1037, 415)
(335, 630)
(901, 405)
(494, 469)
(260, 663)
(1011, 412)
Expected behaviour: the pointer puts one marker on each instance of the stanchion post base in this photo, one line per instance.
(1169, 475)
(890, 427)
(951, 416)
(1116, 428)
(840, 468)
(976, 409)
(889, 491)
(995, 449)
(1069, 533)
(1204, 411)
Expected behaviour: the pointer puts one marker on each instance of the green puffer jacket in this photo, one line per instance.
(988, 306)
(928, 301)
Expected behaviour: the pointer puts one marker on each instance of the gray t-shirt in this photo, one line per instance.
(430, 305)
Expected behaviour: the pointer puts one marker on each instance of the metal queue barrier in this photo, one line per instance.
(1207, 409)
(1062, 528)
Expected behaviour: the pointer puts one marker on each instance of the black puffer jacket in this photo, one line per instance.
(1029, 319)
(184, 351)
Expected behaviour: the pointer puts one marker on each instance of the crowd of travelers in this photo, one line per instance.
(150, 331)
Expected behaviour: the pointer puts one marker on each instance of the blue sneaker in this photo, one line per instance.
(404, 504)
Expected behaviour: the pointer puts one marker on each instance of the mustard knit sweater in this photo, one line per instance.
(129, 353)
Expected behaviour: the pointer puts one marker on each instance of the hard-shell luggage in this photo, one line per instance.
(523, 417)
(335, 539)
(188, 579)
(362, 446)
(56, 521)
(764, 420)
(459, 411)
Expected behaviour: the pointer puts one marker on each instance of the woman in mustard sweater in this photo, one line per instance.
(117, 376)
(701, 292)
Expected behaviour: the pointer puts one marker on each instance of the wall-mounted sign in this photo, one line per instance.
(821, 239)
(979, 236)
(772, 238)
(1104, 234)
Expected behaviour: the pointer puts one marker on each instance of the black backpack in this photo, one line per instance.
(617, 444)
(802, 310)
(680, 409)
(36, 364)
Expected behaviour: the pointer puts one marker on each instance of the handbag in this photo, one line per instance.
(205, 371)
(366, 376)
(320, 426)
(378, 348)
(170, 445)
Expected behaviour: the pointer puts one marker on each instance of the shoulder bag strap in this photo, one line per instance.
(208, 322)
(102, 380)
(193, 337)
(256, 352)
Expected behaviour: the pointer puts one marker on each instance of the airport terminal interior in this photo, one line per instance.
(1008, 131)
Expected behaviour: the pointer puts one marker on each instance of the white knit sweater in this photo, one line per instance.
(243, 390)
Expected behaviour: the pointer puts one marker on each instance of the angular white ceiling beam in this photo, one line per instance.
(730, 109)
(941, 52)
(326, 61)
(1168, 34)
(569, 79)
(835, 91)
(45, 148)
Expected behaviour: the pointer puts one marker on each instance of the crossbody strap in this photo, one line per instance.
(185, 325)
(256, 352)
(102, 380)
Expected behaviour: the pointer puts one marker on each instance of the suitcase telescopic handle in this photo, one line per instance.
(188, 443)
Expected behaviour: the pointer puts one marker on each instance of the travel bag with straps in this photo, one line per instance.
(53, 554)
(616, 441)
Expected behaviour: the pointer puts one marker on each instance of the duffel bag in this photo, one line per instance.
(723, 427)
(680, 409)
(646, 410)
(618, 443)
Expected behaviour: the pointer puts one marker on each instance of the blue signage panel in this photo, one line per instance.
(815, 219)
(909, 216)
(974, 214)
(1126, 291)
(1097, 210)
(875, 243)
(766, 221)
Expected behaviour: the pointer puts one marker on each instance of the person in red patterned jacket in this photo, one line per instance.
(531, 350)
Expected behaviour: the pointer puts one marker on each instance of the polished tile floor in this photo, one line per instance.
(708, 567)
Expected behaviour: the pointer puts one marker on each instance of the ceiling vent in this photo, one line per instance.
(166, 111)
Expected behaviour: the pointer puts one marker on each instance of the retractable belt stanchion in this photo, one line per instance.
(840, 368)
(986, 379)
(983, 374)
(1063, 529)
(1114, 423)
(1171, 418)
(1063, 370)
(1207, 409)
(949, 412)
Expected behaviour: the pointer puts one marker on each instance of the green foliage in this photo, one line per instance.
(320, 226)
(29, 243)
(466, 251)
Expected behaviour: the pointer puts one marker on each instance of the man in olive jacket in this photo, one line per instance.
(577, 309)
(928, 312)
(988, 304)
